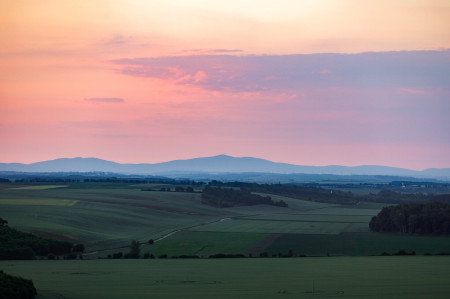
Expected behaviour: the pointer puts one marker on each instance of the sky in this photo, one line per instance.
(312, 82)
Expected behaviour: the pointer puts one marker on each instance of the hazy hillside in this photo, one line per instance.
(215, 164)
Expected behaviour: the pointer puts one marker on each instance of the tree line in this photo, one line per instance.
(169, 189)
(389, 196)
(96, 178)
(294, 191)
(327, 195)
(228, 197)
(431, 218)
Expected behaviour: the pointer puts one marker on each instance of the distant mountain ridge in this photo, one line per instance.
(215, 164)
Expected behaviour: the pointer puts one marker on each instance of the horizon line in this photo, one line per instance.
(226, 155)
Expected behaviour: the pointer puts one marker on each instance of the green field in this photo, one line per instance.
(356, 244)
(111, 215)
(37, 202)
(334, 277)
(106, 217)
(284, 226)
(102, 217)
(204, 244)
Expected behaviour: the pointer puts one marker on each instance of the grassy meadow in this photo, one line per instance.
(333, 277)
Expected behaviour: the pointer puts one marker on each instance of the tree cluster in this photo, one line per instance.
(431, 218)
(389, 196)
(135, 250)
(13, 287)
(400, 252)
(228, 197)
(16, 245)
(307, 193)
(94, 177)
(223, 255)
(168, 189)
(314, 192)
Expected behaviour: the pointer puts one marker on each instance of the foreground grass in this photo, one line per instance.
(353, 244)
(334, 277)
(204, 243)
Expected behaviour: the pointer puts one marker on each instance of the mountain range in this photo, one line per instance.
(215, 164)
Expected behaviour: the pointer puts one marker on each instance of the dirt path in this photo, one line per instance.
(189, 227)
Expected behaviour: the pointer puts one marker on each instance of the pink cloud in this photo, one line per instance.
(368, 109)
(403, 70)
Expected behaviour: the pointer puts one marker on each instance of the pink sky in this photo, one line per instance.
(152, 81)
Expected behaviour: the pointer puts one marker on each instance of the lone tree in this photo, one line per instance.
(135, 249)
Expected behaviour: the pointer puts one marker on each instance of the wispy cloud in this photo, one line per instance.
(104, 100)
(413, 69)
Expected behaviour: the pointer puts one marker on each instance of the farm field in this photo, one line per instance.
(357, 244)
(102, 217)
(333, 277)
(204, 244)
(284, 226)
(106, 217)
(111, 215)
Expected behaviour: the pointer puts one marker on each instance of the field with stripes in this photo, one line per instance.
(108, 216)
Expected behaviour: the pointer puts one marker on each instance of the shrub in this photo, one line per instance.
(16, 287)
